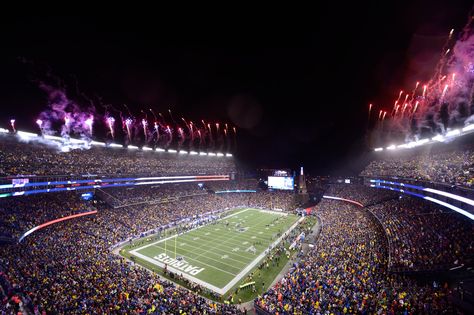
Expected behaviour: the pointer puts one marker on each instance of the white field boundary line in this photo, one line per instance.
(257, 259)
(263, 219)
(223, 252)
(226, 250)
(213, 248)
(212, 266)
(236, 279)
(176, 235)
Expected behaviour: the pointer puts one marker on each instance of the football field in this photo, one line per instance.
(220, 254)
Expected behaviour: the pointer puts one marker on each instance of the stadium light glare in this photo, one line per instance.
(72, 140)
(468, 128)
(147, 149)
(439, 138)
(193, 153)
(100, 144)
(132, 147)
(450, 206)
(378, 149)
(26, 135)
(115, 145)
(392, 147)
(422, 141)
(183, 152)
(453, 133)
(202, 153)
(220, 154)
(228, 155)
(3, 130)
(160, 150)
(211, 154)
(172, 151)
(50, 137)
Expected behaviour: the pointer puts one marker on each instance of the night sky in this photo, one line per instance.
(296, 84)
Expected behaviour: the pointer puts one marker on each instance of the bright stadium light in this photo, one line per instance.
(422, 141)
(115, 145)
(193, 153)
(26, 135)
(450, 206)
(220, 154)
(211, 154)
(468, 128)
(392, 147)
(183, 152)
(72, 140)
(228, 155)
(147, 149)
(172, 151)
(378, 149)
(453, 133)
(3, 130)
(202, 153)
(160, 150)
(439, 138)
(100, 144)
(50, 137)
(132, 147)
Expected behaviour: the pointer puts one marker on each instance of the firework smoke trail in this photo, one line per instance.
(12, 123)
(447, 102)
(172, 119)
(416, 106)
(191, 144)
(65, 130)
(181, 137)
(211, 139)
(128, 122)
(170, 136)
(110, 122)
(39, 122)
(62, 110)
(443, 94)
(89, 121)
(200, 138)
(154, 116)
(157, 132)
(144, 124)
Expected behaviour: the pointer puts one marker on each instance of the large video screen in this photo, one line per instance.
(279, 182)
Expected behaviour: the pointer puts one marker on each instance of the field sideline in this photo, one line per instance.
(218, 255)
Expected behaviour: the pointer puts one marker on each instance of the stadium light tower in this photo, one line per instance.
(302, 196)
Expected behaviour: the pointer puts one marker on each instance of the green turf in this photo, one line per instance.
(219, 252)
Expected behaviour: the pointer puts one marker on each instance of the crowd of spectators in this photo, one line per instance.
(38, 159)
(346, 272)
(422, 236)
(452, 167)
(69, 268)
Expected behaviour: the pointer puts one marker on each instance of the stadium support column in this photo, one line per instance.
(302, 196)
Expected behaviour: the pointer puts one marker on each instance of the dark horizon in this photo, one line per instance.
(297, 91)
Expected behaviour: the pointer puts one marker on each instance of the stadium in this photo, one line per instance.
(122, 209)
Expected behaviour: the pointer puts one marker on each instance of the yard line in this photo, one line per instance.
(194, 229)
(225, 241)
(225, 252)
(219, 261)
(213, 266)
